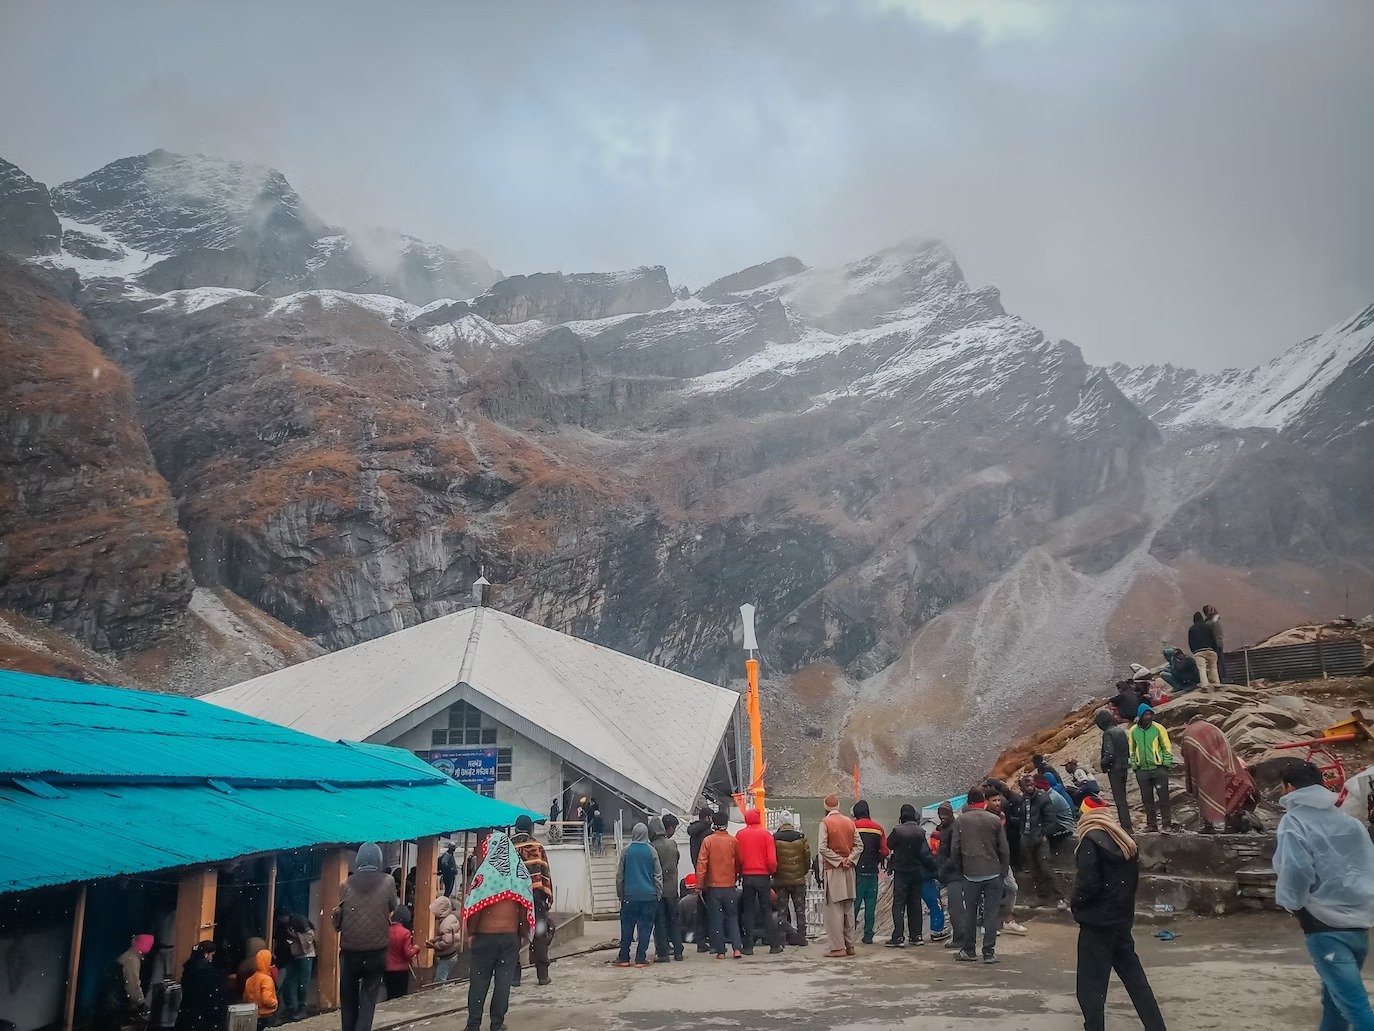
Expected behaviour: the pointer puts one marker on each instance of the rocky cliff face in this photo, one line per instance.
(28, 225)
(952, 526)
(89, 542)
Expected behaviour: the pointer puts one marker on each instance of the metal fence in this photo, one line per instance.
(1324, 657)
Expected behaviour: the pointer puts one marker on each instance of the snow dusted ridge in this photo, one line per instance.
(1276, 395)
(92, 253)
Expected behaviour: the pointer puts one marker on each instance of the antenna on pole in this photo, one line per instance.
(479, 588)
(751, 670)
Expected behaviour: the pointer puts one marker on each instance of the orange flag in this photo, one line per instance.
(856, 782)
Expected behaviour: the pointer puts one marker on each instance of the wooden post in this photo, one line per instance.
(1321, 656)
(426, 891)
(1247, 667)
(195, 917)
(333, 872)
(74, 960)
(271, 901)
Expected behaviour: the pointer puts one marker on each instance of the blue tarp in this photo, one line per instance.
(100, 781)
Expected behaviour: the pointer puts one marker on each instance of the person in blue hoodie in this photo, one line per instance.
(639, 886)
(1324, 860)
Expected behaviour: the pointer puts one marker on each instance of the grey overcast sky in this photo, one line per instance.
(1181, 180)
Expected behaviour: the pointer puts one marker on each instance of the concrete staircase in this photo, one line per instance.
(601, 873)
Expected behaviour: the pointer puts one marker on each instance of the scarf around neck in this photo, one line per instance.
(501, 877)
(1102, 820)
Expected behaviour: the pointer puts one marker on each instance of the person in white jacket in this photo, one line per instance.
(1325, 866)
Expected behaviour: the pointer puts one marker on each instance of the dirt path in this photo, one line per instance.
(1243, 972)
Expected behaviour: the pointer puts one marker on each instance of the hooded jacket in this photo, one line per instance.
(1150, 747)
(204, 1000)
(697, 832)
(758, 852)
(363, 916)
(1104, 884)
(1201, 637)
(874, 840)
(944, 852)
(1325, 864)
(446, 928)
(1116, 750)
(908, 850)
(668, 856)
(638, 876)
(260, 988)
(401, 948)
(794, 857)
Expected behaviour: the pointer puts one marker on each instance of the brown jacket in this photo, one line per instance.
(839, 843)
(718, 862)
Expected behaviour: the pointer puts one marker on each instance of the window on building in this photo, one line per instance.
(438, 737)
(503, 763)
(487, 790)
(465, 726)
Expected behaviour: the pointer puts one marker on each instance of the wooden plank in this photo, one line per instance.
(195, 916)
(333, 872)
(271, 901)
(426, 891)
(74, 960)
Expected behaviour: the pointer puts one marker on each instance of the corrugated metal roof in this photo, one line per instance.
(644, 729)
(131, 774)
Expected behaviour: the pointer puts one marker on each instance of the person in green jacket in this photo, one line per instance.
(1151, 757)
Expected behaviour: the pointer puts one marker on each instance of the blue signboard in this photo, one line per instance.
(472, 767)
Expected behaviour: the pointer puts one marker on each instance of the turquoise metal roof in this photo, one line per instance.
(101, 781)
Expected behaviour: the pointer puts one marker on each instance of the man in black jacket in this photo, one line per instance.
(697, 832)
(910, 862)
(1115, 763)
(1181, 672)
(948, 875)
(1104, 888)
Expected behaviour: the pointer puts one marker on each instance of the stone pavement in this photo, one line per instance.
(1244, 971)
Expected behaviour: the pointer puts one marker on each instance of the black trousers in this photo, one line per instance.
(539, 944)
(1100, 951)
(360, 982)
(1116, 777)
(906, 906)
(758, 911)
(667, 934)
(397, 983)
(793, 897)
(494, 958)
(987, 897)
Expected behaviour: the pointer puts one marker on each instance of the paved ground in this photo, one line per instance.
(1247, 971)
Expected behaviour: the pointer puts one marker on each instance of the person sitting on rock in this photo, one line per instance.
(1180, 672)
(1081, 782)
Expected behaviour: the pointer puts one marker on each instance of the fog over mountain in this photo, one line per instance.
(1157, 182)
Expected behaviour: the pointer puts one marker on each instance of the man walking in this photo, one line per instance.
(982, 859)
(536, 861)
(1325, 866)
(794, 862)
(667, 934)
(363, 920)
(874, 840)
(1104, 888)
(718, 867)
(758, 858)
(639, 886)
(912, 865)
(839, 846)
(1115, 763)
(1152, 757)
(448, 869)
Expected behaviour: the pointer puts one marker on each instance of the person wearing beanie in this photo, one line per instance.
(912, 865)
(667, 937)
(718, 868)
(121, 993)
(690, 923)
(1152, 757)
(758, 855)
(794, 863)
(839, 848)
(204, 997)
(875, 852)
(536, 861)
(363, 920)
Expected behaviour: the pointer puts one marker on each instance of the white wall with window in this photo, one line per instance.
(527, 774)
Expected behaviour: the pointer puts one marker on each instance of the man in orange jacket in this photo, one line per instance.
(718, 867)
(758, 854)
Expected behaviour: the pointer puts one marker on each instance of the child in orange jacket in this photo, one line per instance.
(261, 989)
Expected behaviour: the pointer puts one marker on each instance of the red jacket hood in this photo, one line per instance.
(752, 818)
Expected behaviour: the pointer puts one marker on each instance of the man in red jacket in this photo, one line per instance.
(758, 854)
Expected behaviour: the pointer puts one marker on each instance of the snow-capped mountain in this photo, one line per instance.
(1321, 389)
(174, 221)
(28, 225)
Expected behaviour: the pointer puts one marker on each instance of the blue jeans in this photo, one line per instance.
(637, 918)
(930, 892)
(722, 918)
(1339, 957)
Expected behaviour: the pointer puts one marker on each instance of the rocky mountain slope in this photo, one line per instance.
(175, 221)
(953, 526)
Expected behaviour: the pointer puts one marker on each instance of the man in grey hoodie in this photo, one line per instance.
(363, 920)
(667, 934)
(1325, 866)
(1116, 763)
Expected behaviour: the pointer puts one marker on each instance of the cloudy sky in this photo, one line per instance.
(1180, 180)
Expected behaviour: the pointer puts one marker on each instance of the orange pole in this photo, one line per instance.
(751, 668)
